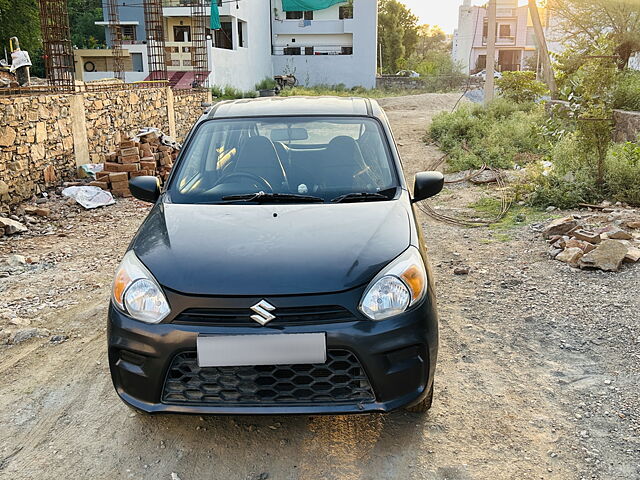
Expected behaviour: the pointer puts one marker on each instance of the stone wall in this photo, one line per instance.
(626, 123)
(112, 114)
(43, 138)
(627, 126)
(399, 83)
(35, 140)
(187, 108)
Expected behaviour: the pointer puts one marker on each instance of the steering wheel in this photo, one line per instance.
(258, 180)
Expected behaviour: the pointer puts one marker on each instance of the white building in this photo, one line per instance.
(257, 40)
(516, 44)
(331, 46)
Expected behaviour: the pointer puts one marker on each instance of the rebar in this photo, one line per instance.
(56, 40)
(154, 26)
(115, 35)
(199, 43)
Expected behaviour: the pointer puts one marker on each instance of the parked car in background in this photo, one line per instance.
(482, 74)
(281, 270)
(407, 73)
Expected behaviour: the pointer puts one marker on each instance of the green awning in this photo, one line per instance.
(215, 16)
(306, 5)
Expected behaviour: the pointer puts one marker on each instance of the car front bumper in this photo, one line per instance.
(398, 356)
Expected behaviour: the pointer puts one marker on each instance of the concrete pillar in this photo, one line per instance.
(171, 113)
(79, 129)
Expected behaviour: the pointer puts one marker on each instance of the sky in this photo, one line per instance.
(439, 12)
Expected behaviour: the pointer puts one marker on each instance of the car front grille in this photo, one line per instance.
(233, 317)
(341, 380)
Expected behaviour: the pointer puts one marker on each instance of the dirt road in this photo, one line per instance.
(538, 375)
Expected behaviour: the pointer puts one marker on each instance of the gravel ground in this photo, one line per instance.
(538, 375)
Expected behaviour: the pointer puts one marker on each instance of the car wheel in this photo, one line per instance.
(424, 405)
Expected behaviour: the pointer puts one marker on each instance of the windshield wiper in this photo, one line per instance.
(272, 197)
(360, 197)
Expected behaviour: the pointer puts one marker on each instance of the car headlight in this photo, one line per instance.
(137, 293)
(396, 288)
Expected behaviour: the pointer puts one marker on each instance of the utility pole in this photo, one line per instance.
(491, 53)
(547, 70)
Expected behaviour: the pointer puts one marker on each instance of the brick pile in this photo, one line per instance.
(148, 156)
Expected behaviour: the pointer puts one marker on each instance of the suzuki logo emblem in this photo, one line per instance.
(262, 309)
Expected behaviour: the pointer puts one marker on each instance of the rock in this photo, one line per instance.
(7, 136)
(550, 208)
(11, 226)
(27, 334)
(16, 261)
(4, 188)
(39, 211)
(461, 271)
(32, 260)
(607, 256)
(633, 255)
(20, 322)
(633, 225)
(616, 233)
(561, 226)
(586, 236)
(571, 256)
(57, 339)
(586, 247)
(554, 252)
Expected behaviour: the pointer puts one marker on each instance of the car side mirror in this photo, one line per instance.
(146, 188)
(427, 185)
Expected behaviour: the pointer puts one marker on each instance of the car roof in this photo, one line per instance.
(295, 106)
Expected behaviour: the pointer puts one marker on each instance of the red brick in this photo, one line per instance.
(99, 175)
(127, 152)
(127, 144)
(129, 159)
(118, 177)
(102, 185)
(148, 165)
(111, 167)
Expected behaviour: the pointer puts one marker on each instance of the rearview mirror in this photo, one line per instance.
(146, 188)
(289, 134)
(427, 185)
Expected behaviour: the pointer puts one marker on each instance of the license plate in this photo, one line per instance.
(268, 349)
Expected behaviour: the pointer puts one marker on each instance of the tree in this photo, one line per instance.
(397, 33)
(82, 17)
(431, 38)
(582, 22)
(20, 19)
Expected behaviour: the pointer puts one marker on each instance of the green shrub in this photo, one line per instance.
(626, 95)
(500, 135)
(231, 93)
(267, 83)
(622, 176)
(521, 87)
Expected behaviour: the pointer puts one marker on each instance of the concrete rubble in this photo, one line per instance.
(601, 240)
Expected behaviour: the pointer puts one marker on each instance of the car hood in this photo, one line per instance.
(259, 250)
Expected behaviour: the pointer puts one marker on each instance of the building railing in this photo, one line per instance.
(511, 40)
(181, 3)
(312, 51)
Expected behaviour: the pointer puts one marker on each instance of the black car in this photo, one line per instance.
(281, 269)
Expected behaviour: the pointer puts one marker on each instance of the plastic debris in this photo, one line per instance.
(89, 197)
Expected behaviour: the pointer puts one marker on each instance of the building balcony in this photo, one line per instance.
(181, 3)
(312, 51)
(311, 27)
(501, 41)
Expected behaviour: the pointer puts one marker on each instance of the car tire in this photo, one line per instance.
(424, 405)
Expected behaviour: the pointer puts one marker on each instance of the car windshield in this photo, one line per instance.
(277, 159)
